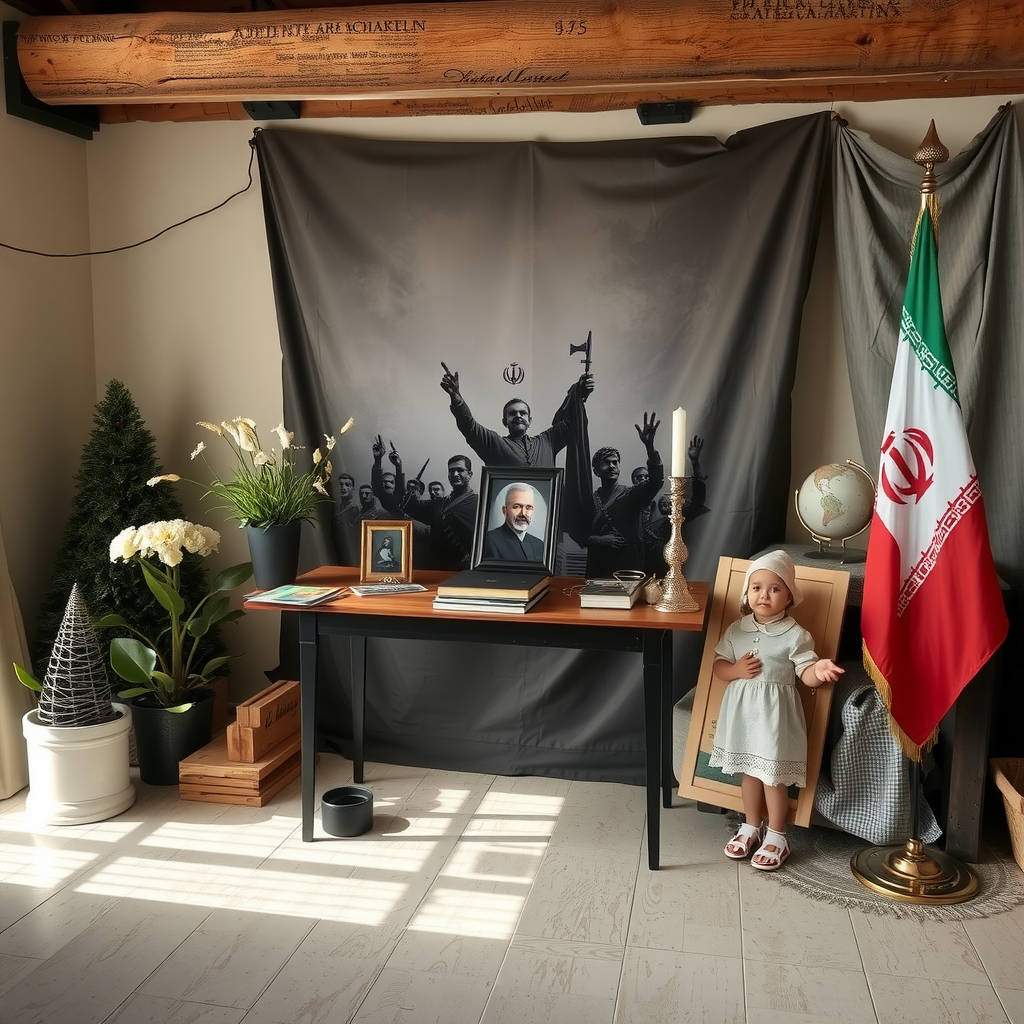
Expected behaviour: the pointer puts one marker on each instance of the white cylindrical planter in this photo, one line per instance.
(78, 774)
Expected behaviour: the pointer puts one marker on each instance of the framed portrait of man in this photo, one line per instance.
(517, 518)
(386, 550)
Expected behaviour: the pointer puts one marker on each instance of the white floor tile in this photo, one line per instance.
(791, 993)
(898, 1000)
(660, 987)
(918, 949)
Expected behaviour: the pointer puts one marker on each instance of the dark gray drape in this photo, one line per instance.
(689, 262)
(981, 271)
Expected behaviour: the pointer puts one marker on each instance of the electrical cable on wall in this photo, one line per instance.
(135, 245)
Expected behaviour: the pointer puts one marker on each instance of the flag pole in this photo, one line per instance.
(912, 872)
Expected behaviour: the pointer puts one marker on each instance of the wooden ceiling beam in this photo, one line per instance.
(503, 55)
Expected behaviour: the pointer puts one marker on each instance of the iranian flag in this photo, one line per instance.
(933, 613)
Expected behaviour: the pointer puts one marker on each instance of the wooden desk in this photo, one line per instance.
(557, 621)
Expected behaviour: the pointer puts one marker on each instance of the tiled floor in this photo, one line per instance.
(474, 898)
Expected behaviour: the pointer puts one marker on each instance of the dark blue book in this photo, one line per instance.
(483, 583)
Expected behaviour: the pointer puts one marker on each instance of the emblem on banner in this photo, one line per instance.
(907, 468)
(514, 374)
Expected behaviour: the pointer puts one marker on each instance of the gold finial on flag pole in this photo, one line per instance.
(928, 154)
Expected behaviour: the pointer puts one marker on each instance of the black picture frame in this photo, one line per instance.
(494, 484)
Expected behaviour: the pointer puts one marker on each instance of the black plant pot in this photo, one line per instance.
(163, 738)
(274, 552)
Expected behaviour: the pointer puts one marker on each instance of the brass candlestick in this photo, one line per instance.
(675, 594)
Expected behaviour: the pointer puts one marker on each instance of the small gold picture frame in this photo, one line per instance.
(386, 551)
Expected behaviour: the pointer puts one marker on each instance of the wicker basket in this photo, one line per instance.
(1008, 773)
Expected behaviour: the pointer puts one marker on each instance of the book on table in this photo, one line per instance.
(611, 593)
(296, 594)
(491, 583)
(495, 605)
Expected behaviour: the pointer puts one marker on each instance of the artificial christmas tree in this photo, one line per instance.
(117, 460)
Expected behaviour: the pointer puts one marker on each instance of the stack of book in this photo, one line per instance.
(611, 593)
(502, 592)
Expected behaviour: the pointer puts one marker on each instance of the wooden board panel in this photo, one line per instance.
(209, 775)
(515, 48)
(821, 614)
(278, 702)
(264, 721)
(212, 761)
(204, 793)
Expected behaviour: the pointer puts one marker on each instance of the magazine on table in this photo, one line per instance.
(296, 594)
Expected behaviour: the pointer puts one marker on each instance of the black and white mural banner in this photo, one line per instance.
(536, 304)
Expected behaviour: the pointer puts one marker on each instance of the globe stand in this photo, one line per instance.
(846, 556)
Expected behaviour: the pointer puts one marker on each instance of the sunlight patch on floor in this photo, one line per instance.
(295, 894)
(485, 915)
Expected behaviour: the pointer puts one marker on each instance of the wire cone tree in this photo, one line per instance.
(76, 688)
(117, 460)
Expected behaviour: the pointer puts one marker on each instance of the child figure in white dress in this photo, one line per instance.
(761, 732)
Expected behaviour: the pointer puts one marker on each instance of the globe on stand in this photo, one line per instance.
(834, 505)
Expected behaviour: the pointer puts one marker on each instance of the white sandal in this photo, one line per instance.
(773, 859)
(745, 842)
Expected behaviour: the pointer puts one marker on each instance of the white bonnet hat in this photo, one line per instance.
(779, 563)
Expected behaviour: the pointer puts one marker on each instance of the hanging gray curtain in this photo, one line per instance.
(687, 259)
(981, 272)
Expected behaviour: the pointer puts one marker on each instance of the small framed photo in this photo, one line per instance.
(517, 518)
(386, 551)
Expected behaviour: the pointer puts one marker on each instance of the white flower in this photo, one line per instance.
(319, 487)
(317, 457)
(154, 480)
(328, 469)
(246, 433)
(262, 459)
(210, 426)
(231, 431)
(201, 447)
(165, 538)
(348, 423)
(123, 545)
(330, 442)
(285, 436)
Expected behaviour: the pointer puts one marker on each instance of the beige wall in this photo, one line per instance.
(47, 365)
(188, 321)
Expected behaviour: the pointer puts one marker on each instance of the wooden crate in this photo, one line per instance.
(210, 776)
(264, 721)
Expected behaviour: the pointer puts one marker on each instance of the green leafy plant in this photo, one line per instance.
(166, 666)
(267, 488)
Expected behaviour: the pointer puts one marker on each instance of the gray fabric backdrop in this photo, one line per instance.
(981, 271)
(688, 260)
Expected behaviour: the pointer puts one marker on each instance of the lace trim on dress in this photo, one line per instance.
(789, 773)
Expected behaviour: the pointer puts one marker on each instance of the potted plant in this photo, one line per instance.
(171, 709)
(267, 493)
(77, 739)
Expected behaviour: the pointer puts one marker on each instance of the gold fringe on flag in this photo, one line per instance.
(915, 751)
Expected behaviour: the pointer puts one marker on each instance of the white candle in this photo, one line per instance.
(679, 442)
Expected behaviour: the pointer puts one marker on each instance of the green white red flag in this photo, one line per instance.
(932, 613)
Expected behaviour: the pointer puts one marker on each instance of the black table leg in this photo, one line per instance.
(307, 693)
(653, 658)
(667, 753)
(358, 705)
